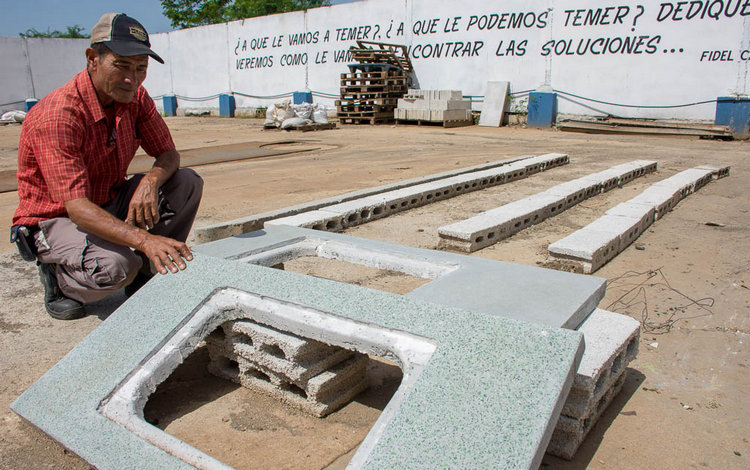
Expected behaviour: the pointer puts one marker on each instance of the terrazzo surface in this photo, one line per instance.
(488, 397)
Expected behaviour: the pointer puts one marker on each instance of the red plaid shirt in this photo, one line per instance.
(67, 152)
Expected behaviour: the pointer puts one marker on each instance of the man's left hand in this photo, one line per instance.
(143, 211)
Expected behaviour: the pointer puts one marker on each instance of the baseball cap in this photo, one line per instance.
(123, 35)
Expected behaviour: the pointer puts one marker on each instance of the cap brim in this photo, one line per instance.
(130, 48)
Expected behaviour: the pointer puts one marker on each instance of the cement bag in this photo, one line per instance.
(319, 114)
(13, 116)
(303, 110)
(270, 117)
(295, 122)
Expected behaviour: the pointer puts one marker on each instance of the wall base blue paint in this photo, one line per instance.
(170, 105)
(30, 104)
(226, 105)
(300, 97)
(733, 112)
(542, 109)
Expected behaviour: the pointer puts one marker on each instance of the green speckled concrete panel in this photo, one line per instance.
(489, 396)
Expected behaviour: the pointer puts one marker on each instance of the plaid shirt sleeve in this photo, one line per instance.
(151, 128)
(58, 151)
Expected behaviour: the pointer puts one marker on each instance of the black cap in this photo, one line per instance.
(123, 35)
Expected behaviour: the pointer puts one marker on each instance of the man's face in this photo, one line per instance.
(116, 77)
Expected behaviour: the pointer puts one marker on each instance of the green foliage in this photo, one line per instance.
(72, 32)
(188, 13)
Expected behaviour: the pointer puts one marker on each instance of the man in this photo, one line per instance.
(84, 218)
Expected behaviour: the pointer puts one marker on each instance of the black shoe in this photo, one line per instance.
(57, 305)
(140, 280)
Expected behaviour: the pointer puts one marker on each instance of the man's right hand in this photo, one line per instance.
(165, 253)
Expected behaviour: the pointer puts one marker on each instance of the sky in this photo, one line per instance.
(17, 16)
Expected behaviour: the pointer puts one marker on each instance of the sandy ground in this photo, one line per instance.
(684, 405)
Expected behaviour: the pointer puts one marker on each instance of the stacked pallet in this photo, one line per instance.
(371, 89)
(446, 107)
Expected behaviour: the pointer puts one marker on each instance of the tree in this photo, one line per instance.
(188, 13)
(72, 32)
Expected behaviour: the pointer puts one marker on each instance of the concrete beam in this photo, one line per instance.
(338, 217)
(492, 226)
(255, 222)
(597, 243)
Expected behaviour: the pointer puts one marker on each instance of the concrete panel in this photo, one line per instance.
(516, 374)
(485, 286)
(495, 101)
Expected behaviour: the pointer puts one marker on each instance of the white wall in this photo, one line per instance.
(686, 52)
(31, 68)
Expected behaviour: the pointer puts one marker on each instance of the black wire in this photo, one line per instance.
(639, 297)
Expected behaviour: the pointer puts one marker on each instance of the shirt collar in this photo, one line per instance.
(88, 95)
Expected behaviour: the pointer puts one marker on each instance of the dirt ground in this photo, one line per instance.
(684, 405)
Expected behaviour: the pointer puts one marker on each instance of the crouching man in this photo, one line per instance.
(92, 230)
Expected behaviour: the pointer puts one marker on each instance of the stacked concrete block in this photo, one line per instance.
(497, 224)
(337, 217)
(304, 373)
(611, 343)
(596, 244)
(433, 106)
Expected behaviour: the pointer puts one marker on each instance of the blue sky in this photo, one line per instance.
(16, 16)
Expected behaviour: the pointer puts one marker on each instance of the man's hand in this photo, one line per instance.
(143, 210)
(165, 253)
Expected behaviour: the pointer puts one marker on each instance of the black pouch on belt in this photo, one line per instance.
(23, 237)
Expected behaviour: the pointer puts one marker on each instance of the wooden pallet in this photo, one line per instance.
(366, 81)
(445, 124)
(357, 108)
(369, 102)
(366, 114)
(369, 96)
(379, 75)
(365, 120)
(349, 89)
(382, 53)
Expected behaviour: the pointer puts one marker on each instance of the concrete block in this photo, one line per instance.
(718, 171)
(612, 342)
(318, 219)
(591, 249)
(645, 212)
(662, 199)
(92, 400)
(322, 395)
(627, 228)
(571, 432)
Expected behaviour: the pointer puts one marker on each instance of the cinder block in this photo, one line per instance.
(662, 199)
(645, 212)
(245, 373)
(718, 171)
(571, 432)
(591, 249)
(318, 219)
(611, 342)
(627, 229)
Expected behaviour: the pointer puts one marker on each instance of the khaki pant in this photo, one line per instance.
(90, 268)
